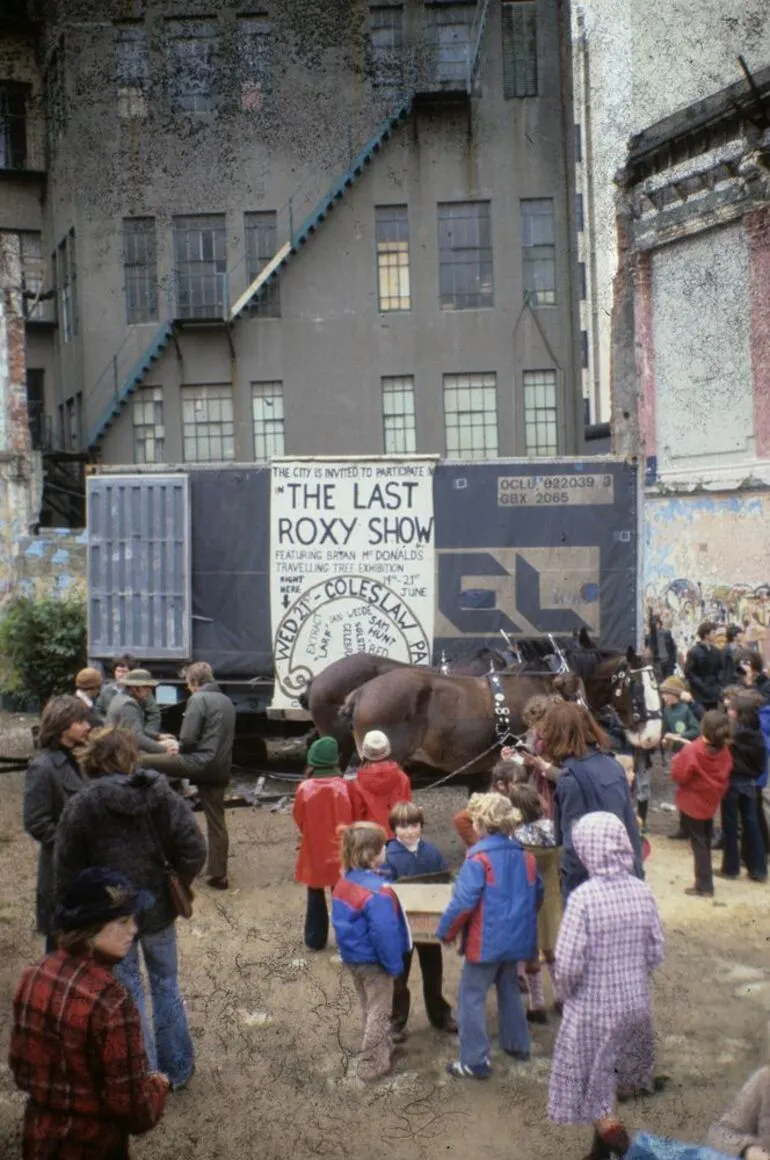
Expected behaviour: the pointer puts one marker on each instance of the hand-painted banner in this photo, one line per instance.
(352, 565)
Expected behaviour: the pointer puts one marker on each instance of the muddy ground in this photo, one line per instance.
(276, 1027)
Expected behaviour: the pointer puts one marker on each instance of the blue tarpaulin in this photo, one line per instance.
(647, 1147)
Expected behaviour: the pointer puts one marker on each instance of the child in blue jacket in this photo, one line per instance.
(372, 938)
(407, 856)
(494, 905)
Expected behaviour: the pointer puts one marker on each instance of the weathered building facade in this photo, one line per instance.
(691, 353)
(318, 227)
(635, 64)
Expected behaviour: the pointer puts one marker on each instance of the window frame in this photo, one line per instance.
(146, 433)
(387, 60)
(140, 277)
(216, 427)
(392, 254)
(453, 247)
(191, 84)
(132, 69)
(450, 68)
(536, 253)
(272, 429)
(199, 292)
(544, 415)
(260, 235)
(520, 30)
(398, 438)
(489, 446)
(255, 54)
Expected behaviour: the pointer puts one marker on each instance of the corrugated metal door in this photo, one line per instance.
(139, 566)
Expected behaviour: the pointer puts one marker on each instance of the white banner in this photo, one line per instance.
(352, 565)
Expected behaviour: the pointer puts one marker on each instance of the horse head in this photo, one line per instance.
(632, 691)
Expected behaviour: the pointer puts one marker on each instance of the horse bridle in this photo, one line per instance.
(625, 675)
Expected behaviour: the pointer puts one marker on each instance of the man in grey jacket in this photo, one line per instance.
(127, 710)
(205, 758)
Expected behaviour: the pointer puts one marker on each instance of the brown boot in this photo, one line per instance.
(599, 1149)
(617, 1139)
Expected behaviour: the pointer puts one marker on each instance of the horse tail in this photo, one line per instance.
(304, 697)
(348, 708)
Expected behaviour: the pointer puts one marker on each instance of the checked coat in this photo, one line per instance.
(609, 943)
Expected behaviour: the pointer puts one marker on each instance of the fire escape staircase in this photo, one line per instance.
(127, 381)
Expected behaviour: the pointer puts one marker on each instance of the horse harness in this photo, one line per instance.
(500, 707)
(623, 679)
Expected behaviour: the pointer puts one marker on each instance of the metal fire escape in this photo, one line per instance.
(433, 78)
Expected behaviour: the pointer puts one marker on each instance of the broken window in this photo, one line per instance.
(520, 49)
(254, 60)
(191, 64)
(466, 279)
(386, 29)
(392, 235)
(140, 269)
(200, 266)
(132, 66)
(261, 232)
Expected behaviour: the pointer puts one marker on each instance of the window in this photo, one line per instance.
(13, 125)
(190, 61)
(391, 227)
(208, 430)
(140, 271)
(539, 251)
(398, 415)
(449, 37)
(520, 49)
(540, 433)
(149, 432)
(267, 419)
(579, 213)
(578, 144)
(465, 255)
(132, 69)
(584, 349)
(35, 308)
(261, 231)
(66, 285)
(200, 266)
(254, 60)
(386, 28)
(582, 281)
(470, 416)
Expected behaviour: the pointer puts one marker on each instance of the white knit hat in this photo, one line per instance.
(375, 746)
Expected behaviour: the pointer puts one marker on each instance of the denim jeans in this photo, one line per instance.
(167, 1040)
(741, 800)
(513, 1029)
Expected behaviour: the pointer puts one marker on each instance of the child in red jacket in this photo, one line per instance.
(380, 783)
(321, 806)
(702, 771)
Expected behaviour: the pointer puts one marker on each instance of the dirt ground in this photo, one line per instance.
(276, 1027)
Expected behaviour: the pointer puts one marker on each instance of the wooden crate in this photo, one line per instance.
(423, 905)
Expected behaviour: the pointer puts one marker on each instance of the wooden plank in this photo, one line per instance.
(423, 905)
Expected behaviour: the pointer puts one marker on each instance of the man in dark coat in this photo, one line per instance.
(703, 670)
(52, 779)
(205, 758)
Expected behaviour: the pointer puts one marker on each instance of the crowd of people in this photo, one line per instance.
(552, 879)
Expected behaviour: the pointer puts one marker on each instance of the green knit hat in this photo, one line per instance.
(324, 754)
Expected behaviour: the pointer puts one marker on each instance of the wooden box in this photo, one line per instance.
(423, 906)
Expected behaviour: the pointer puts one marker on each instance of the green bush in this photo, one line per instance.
(43, 645)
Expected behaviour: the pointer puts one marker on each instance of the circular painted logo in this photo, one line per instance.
(341, 616)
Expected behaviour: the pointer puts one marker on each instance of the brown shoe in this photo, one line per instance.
(218, 883)
(694, 892)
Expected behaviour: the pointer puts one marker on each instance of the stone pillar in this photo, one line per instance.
(757, 225)
(626, 438)
(645, 358)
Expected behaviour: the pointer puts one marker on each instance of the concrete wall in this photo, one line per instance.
(638, 63)
(701, 327)
(709, 556)
(331, 346)
(51, 564)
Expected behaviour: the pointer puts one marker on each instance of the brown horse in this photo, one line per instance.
(325, 695)
(447, 721)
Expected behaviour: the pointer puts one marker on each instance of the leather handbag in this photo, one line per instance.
(181, 893)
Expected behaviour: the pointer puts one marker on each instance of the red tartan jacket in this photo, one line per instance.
(76, 1049)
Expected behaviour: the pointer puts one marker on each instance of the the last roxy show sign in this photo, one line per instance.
(352, 564)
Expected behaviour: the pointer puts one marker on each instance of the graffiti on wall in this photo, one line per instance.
(707, 557)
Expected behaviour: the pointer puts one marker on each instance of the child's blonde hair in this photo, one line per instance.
(360, 843)
(494, 812)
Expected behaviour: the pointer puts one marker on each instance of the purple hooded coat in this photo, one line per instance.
(610, 941)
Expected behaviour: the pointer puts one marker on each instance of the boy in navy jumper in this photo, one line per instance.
(372, 938)
(407, 856)
(494, 907)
